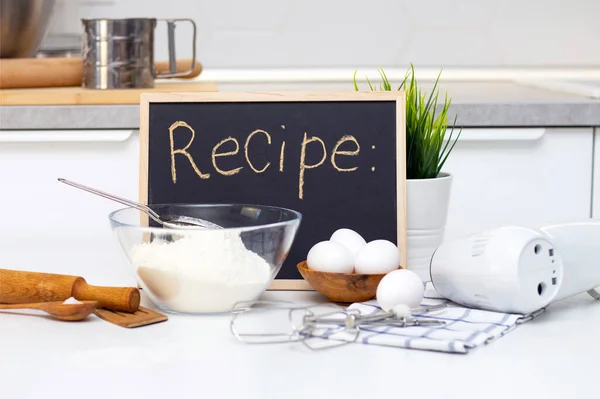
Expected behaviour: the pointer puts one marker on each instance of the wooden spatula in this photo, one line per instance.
(142, 317)
(118, 305)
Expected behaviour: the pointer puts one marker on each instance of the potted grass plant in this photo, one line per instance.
(429, 142)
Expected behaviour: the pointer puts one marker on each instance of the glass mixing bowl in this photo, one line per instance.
(196, 270)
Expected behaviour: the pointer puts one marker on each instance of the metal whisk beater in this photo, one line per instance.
(286, 322)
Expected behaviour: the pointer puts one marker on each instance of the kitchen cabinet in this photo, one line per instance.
(596, 197)
(519, 176)
(44, 218)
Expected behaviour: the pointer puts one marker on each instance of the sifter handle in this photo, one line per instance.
(172, 73)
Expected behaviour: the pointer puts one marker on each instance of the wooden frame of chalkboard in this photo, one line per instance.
(378, 202)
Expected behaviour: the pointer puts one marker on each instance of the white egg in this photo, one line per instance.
(400, 287)
(378, 256)
(350, 239)
(327, 256)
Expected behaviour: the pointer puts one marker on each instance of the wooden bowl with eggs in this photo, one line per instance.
(348, 269)
(341, 287)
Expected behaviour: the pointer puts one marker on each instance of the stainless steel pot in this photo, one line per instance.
(23, 25)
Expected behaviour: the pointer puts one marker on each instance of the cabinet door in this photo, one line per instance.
(518, 176)
(50, 226)
(596, 205)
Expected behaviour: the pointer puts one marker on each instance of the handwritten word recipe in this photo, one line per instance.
(230, 155)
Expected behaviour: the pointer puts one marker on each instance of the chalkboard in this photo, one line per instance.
(337, 158)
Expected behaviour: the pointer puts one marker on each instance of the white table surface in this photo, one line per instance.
(553, 356)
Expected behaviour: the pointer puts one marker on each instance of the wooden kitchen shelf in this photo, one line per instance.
(83, 96)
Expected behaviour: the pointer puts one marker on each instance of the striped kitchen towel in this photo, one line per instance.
(465, 328)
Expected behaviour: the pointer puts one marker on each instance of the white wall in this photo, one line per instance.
(353, 33)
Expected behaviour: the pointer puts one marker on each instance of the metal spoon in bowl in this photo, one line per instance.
(169, 221)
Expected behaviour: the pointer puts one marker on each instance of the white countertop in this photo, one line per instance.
(553, 356)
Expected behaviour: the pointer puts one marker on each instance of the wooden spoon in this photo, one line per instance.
(59, 310)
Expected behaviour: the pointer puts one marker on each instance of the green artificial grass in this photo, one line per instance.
(426, 151)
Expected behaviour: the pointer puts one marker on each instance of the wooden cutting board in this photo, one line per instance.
(82, 96)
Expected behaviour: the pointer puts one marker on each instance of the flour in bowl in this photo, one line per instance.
(205, 272)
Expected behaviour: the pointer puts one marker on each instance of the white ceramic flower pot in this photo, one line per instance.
(426, 211)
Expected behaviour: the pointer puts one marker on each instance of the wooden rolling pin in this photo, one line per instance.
(18, 73)
(27, 287)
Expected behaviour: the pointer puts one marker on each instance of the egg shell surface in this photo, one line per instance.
(378, 256)
(328, 256)
(400, 287)
(350, 239)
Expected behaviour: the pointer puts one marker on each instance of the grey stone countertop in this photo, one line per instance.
(477, 104)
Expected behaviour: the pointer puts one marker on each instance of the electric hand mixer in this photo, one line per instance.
(517, 269)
